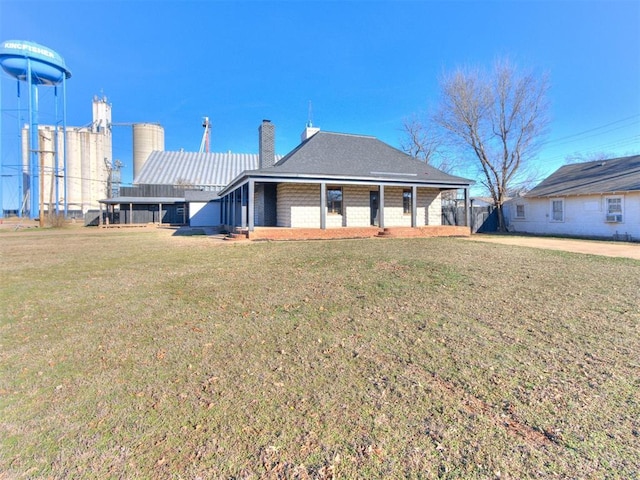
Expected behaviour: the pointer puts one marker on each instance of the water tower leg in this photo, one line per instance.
(64, 144)
(1, 162)
(34, 199)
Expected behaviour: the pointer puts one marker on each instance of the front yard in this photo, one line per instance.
(137, 354)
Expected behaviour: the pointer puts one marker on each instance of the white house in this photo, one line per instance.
(592, 199)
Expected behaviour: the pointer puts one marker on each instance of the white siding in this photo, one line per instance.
(204, 214)
(356, 205)
(429, 207)
(583, 216)
(299, 206)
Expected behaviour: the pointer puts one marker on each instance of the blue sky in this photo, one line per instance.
(363, 65)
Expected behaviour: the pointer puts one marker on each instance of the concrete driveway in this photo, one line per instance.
(592, 247)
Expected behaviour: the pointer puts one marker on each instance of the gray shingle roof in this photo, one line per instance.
(601, 176)
(356, 156)
(199, 196)
(212, 170)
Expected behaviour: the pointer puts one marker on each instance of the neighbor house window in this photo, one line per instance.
(334, 200)
(614, 209)
(406, 201)
(557, 210)
(520, 211)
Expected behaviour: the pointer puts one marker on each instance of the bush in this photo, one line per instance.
(56, 220)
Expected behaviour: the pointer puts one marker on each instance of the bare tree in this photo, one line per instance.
(183, 183)
(419, 141)
(422, 140)
(498, 117)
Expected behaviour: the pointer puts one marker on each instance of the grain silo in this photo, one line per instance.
(147, 137)
(88, 153)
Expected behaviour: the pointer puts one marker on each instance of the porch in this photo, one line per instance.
(283, 233)
(358, 208)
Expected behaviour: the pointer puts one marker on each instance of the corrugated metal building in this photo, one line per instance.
(192, 179)
(197, 171)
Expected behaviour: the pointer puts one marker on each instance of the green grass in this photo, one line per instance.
(136, 354)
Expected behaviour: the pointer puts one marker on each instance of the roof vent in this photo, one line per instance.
(308, 132)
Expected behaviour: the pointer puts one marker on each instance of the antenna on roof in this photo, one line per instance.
(309, 130)
(204, 144)
(310, 116)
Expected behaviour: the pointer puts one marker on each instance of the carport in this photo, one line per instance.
(142, 210)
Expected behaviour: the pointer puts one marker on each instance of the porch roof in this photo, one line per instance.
(142, 200)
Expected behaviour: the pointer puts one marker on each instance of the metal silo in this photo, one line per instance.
(147, 137)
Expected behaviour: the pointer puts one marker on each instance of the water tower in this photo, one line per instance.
(35, 65)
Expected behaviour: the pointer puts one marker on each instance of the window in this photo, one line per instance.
(557, 210)
(334, 200)
(614, 209)
(406, 201)
(519, 211)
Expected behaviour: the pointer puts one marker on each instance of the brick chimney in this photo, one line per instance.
(267, 153)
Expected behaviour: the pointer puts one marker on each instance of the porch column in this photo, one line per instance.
(159, 213)
(323, 206)
(243, 206)
(466, 207)
(131, 213)
(230, 217)
(251, 206)
(233, 209)
(381, 208)
(99, 218)
(414, 206)
(232, 198)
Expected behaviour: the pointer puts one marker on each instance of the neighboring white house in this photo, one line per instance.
(591, 199)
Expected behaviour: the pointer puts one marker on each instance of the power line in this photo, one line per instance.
(622, 142)
(584, 132)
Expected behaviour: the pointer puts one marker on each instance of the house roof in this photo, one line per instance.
(588, 178)
(356, 157)
(193, 168)
(200, 196)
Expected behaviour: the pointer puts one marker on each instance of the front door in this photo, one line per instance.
(373, 207)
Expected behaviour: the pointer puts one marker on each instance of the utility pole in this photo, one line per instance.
(41, 172)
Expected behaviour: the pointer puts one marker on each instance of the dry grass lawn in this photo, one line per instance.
(137, 354)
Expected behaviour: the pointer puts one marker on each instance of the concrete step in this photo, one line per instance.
(237, 236)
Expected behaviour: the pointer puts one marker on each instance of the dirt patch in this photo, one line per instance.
(591, 247)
